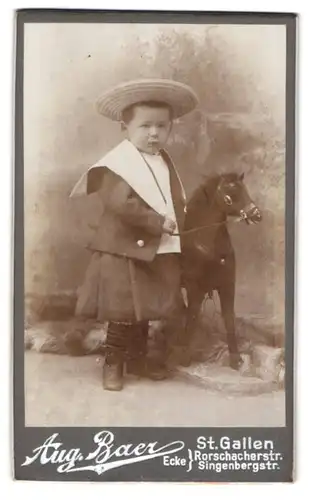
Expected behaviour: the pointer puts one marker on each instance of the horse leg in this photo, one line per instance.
(194, 299)
(227, 295)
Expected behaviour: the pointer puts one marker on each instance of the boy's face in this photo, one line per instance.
(149, 128)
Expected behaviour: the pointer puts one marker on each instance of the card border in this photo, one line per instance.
(24, 16)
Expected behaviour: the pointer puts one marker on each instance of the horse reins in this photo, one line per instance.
(195, 229)
(200, 228)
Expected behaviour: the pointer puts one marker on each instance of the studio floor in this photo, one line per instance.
(65, 391)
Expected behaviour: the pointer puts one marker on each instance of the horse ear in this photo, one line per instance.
(241, 177)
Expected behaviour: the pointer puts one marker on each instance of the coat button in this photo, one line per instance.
(140, 243)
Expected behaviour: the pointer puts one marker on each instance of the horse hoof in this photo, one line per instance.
(235, 361)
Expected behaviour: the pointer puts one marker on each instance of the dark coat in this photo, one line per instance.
(128, 226)
(126, 280)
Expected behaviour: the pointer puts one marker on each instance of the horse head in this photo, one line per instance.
(232, 198)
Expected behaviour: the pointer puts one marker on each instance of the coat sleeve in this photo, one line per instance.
(118, 197)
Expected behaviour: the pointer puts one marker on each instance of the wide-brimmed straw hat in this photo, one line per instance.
(180, 97)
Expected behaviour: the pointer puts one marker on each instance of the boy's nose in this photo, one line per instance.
(153, 132)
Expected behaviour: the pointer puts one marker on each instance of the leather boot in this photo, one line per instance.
(115, 349)
(113, 372)
(138, 362)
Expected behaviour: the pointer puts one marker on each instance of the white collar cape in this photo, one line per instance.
(127, 162)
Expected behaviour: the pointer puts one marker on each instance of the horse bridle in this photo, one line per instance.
(228, 201)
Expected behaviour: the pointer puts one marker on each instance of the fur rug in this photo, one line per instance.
(259, 360)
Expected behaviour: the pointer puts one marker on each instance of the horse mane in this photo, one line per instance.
(205, 191)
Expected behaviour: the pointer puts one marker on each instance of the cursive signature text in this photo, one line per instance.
(105, 456)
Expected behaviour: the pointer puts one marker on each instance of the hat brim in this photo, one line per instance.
(180, 97)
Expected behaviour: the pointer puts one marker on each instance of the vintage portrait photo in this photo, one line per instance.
(154, 224)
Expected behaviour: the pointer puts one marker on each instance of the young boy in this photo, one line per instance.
(134, 273)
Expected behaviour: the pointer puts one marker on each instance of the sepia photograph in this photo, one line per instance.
(154, 224)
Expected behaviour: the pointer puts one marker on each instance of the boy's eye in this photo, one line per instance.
(148, 125)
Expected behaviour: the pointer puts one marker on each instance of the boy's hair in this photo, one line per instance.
(127, 113)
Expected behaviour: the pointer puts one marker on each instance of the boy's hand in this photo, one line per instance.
(169, 226)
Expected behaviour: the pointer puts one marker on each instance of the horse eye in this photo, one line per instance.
(228, 199)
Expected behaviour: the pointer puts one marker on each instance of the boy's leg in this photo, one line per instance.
(137, 348)
(129, 342)
(138, 361)
(116, 345)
